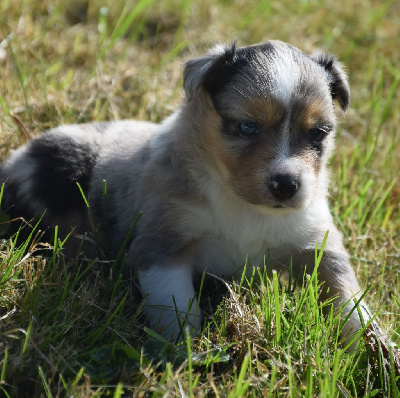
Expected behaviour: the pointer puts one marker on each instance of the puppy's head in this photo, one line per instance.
(267, 120)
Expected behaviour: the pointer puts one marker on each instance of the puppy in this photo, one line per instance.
(238, 171)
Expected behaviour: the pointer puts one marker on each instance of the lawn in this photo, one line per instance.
(69, 328)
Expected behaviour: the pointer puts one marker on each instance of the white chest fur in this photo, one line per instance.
(232, 231)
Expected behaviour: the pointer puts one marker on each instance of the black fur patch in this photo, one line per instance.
(221, 72)
(233, 62)
(247, 62)
(339, 86)
(60, 165)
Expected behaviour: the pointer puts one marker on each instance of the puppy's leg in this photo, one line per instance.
(339, 282)
(170, 299)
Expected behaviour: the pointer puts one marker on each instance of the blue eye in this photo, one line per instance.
(248, 127)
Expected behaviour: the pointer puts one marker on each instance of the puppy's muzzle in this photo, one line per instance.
(284, 186)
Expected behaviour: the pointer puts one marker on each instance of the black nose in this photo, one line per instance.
(284, 186)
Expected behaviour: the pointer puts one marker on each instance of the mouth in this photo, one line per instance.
(276, 209)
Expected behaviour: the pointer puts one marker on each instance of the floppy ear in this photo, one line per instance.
(340, 89)
(203, 70)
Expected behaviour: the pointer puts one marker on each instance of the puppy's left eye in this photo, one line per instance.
(317, 135)
(248, 127)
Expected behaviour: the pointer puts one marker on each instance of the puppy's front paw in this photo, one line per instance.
(170, 301)
(173, 325)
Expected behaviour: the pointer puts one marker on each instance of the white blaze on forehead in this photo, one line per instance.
(284, 141)
(285, 76)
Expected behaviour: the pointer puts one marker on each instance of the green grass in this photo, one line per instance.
(73, 329)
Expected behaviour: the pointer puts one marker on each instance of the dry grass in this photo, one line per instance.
(70, 61)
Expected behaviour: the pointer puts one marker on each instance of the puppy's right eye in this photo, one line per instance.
(248, 127)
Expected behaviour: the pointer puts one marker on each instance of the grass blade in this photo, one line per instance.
(44, 383)
(277, 307)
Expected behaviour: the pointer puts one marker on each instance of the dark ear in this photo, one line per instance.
(204, 70)
(340, 89)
